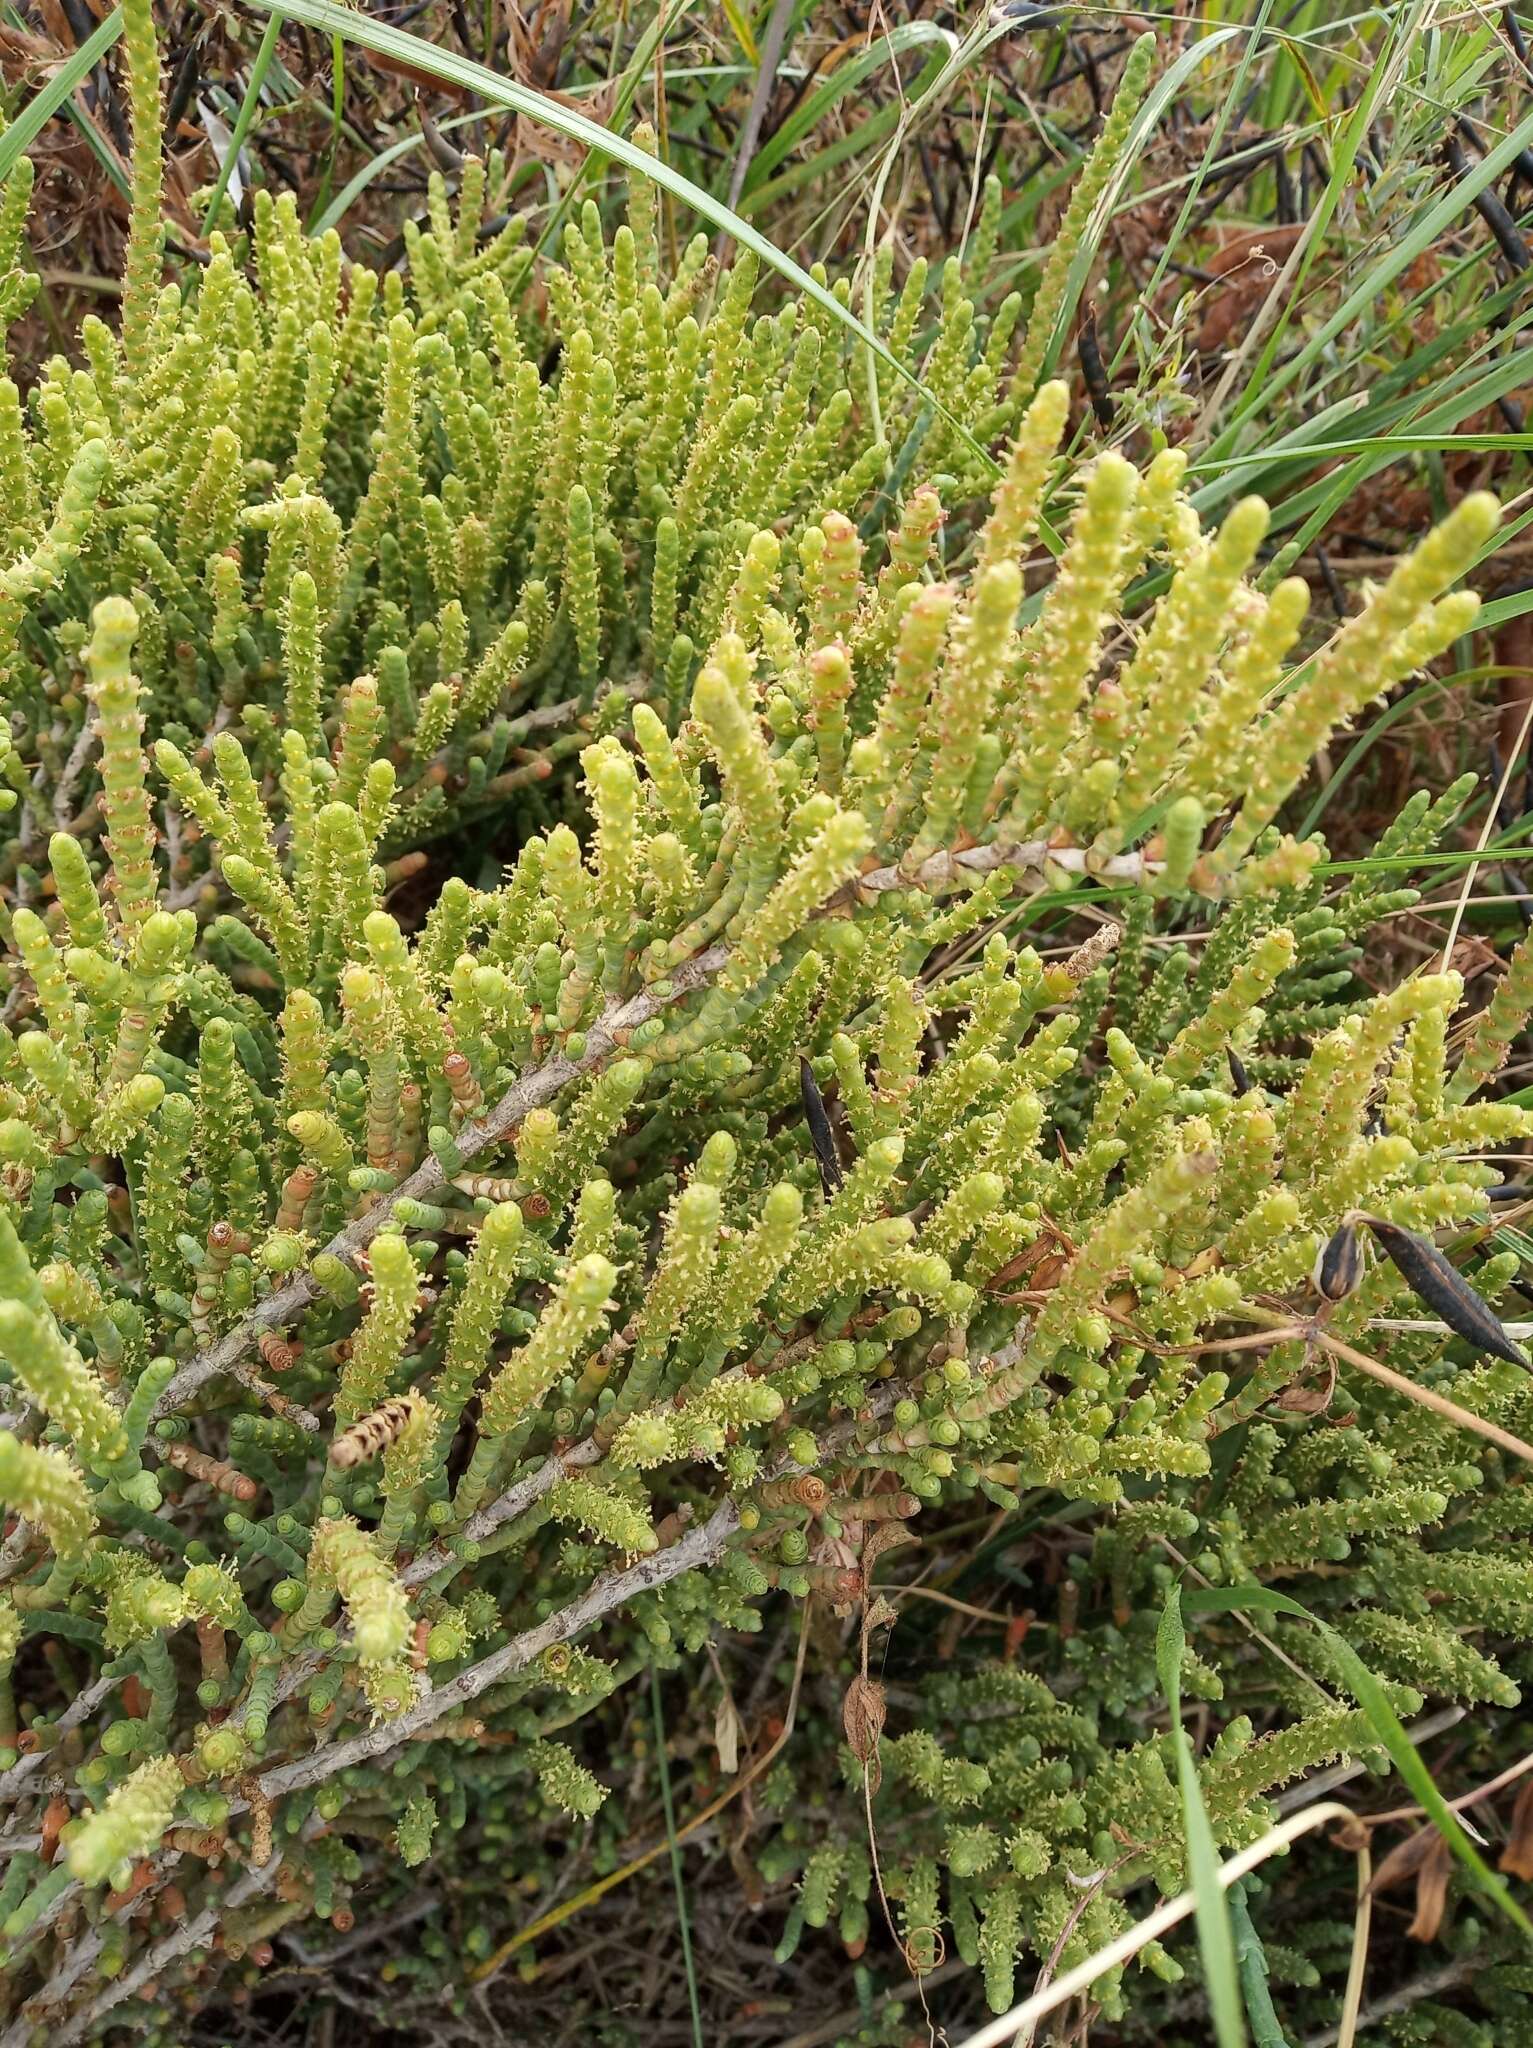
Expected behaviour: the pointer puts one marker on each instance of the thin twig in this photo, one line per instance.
(1429, 1986)
(1357, 1967)
(698, 1547)
(197, 1932)
(544, 1082)
(1460, 1805)
(78, 1710)
(1492, 815)
(1449, 1410)
(1045, 1975)
(1316, 1786)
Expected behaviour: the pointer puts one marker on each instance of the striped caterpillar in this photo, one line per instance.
(373, 1433)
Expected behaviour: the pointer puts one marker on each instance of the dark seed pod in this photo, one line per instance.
(1094, 371)
(821, 1135)
(1240, 1080)
(1445, 1290)
(1339, 1265)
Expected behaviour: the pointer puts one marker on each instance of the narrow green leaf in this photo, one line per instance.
(684, 1918)
(43, 105)
(1215, 1937)
(1161, 95)
(1396, 253)
(1385, 1723)
(845, 78)
(1251, 1959)
(243, 119)
(356, 185)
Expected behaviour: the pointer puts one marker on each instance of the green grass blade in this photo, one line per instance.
(89, 133)
(1251, 1959)
(628, 85)
(1391, 446)
(856, 143)
(1399, 708)
(1232, 99)
(1397, 254)
(356, 185)
(1384, 1722)
(43, 105)
(1215, 1936)
(1156, 101)
(1263, 382)
(243, 119)
(682, 1915)
(1500, 609)
(845, 78)
(469, 76)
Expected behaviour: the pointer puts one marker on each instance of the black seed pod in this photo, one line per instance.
(821, 1135)
(1094, 371)
(1240, 1080)
(1339, 1264)
(1445, 1290)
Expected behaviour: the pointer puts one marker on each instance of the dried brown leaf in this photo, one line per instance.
(726, 1734)
(1432, 1892)
(863, 1713)
(887, 1536)
(1426, 1859)
(879, 1614)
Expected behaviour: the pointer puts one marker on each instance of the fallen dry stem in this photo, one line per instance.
(1426, 1398)
(1151, 1928)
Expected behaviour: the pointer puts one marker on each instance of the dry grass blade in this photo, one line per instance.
(1151, 1928)
(1362, 1927)
(560, 1913)
(1426, 1398)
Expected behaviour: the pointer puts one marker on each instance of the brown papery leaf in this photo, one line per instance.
(1432, 1891)
(887, 1536)
(1403, 1861)
(1426, 1858)
(863, 1713)
(726, 1735)
(878, 1613)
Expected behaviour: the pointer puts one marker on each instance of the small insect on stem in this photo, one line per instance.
(821, 1135)
(1240, 1080)
(372, 1434)
(1444, 1289)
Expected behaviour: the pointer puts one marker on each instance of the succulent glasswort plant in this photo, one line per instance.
(423, 1303)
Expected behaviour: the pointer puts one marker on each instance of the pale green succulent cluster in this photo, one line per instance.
(394, 1287)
